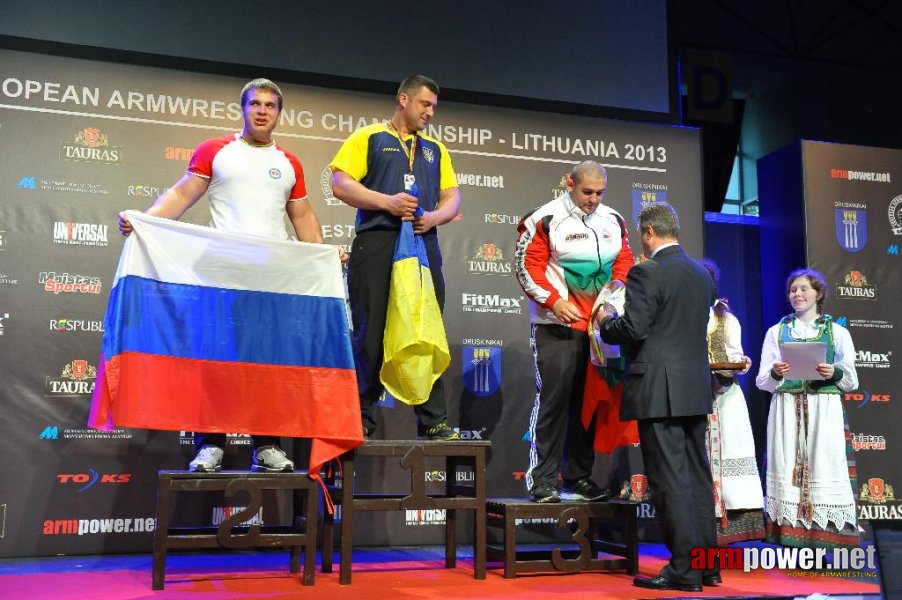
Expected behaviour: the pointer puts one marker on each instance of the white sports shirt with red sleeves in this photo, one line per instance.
(249, 185)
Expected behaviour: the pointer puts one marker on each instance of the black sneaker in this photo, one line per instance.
(585, 490)
(441, 432)
(368, 432)
(544, 493)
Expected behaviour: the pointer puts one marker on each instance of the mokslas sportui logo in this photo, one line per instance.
(91, 145)
(76, 379)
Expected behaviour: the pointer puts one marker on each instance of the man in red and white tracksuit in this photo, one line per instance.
(568, 250)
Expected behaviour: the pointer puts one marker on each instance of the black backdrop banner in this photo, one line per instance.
(853, 202)
(82, 140)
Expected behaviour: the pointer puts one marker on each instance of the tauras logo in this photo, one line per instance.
(491, 303)
(76, 379)
(90, 145)
(855, 286)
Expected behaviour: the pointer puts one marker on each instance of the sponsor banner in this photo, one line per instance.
(851, 228)
(91, 145)
(75, 325)
(53, 432)
(3, 318)
(853, 175)
(894, 213)
(868, 323)
(67, 186)
(863, 441)
(820, 562)
(645, 195)
(98, 526)
(91, 478)
(489, 260)
(872, 360)
(481, 369)
(855, 286)
(76, 379)
(492, 303)
(221, 513)
(435, 516)
(864, 397)
(65, 283)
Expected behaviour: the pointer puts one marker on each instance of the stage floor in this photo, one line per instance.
(407, 573)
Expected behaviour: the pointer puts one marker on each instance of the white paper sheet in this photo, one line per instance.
(803, 357)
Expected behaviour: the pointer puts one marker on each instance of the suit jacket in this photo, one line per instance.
(663, 333)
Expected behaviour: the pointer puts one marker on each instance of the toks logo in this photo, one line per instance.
(864, 396)
(92, 477)
(91, 145)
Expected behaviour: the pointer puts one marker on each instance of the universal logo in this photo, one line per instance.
(80, 234)
(91, 145)
(435, 516)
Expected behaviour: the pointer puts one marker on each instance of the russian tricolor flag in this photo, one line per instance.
(221, 332)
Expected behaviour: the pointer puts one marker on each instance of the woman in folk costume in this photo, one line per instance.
(810, 469)
(738, 501)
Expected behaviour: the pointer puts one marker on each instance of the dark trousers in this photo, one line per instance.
(369, 282)
(676, 464)
(219, 439)
(555, 425)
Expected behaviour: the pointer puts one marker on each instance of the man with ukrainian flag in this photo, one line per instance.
(387, 171)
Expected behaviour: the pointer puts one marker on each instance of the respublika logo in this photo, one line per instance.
(76, 379)
(492, 303)
(75, 325)
(489, 260)
(91, 145)
(855, 286)
(481, 366)
(864, 397)
(80, 234)
(851, 228)
(863, 441)
(645, 195)
(502, 219)
(58, 283)
(92, 478)
(872, 360)
(145, 191)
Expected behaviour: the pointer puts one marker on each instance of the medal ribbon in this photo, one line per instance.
(410, 154)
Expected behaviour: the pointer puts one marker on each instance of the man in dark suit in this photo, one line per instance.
(663, 333)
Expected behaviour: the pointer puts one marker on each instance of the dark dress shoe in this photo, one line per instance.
(712, 579)
(662, 583)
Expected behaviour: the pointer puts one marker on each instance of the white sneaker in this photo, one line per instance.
(208, 460)
(271, 459)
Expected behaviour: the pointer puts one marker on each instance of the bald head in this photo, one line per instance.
(588, 169)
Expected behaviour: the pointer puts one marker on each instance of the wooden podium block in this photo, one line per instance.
(504, 513)
(301, 534)
(412, 455)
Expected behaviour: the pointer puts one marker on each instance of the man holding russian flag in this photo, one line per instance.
(387, 171)
(252, 184)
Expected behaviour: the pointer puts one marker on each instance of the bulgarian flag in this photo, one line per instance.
(415, 349)
(222, 332)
